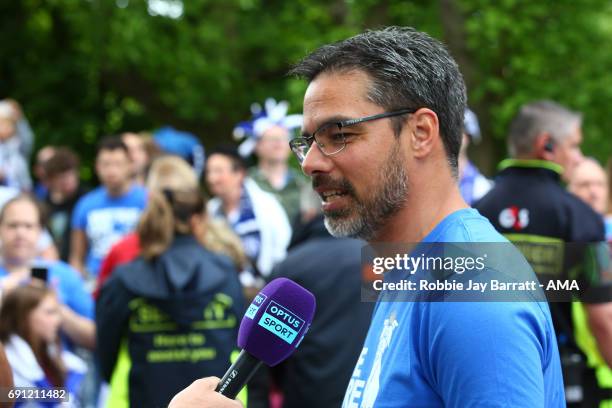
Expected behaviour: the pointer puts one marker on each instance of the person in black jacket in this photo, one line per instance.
(551, 226)
(317, 374)
(171, 316)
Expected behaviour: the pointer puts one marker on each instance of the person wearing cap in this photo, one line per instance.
(472, 184)
(268, 138)
(183, 144)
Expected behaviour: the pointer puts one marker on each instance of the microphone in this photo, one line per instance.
(272, 328)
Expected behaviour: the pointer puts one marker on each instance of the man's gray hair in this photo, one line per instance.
(408, 69)
(536, 118)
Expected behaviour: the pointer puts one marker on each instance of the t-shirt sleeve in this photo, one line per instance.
(79, 215)
(488, 353)
(142, 197)
(77, 297)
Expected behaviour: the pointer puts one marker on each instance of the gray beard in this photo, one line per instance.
(368, 216)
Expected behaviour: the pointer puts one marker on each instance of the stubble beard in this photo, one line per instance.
(366, 217)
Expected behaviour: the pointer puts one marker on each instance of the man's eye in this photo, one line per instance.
(337, 137)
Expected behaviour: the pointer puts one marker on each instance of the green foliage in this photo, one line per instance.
(87, 68)
(523, 51)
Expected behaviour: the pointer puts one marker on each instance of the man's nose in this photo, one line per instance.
(315, 161)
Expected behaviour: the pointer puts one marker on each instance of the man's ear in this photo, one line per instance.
(425, 132)
(544, 146)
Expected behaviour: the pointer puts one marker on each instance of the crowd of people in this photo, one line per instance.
(127, 292)
(141, 281)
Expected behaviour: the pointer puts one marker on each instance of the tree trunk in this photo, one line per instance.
(453, 22)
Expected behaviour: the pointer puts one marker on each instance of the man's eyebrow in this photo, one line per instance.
(327, 121)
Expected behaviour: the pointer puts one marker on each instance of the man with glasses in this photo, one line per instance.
(383, 116)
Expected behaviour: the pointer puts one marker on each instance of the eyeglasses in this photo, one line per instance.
(331, 138)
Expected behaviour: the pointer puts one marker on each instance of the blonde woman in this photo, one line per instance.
(175, 309)
(172, 171)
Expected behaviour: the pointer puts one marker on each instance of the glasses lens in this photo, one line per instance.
(330, 138)
(300, 146)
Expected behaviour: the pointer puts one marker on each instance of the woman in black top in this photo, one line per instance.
(171, 316)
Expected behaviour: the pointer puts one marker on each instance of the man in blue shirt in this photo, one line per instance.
(383, 116)
(103, 216)
(458, 354)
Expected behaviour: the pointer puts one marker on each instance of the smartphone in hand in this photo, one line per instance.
(40, 272)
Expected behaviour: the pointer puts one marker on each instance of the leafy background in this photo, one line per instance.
(86, 68)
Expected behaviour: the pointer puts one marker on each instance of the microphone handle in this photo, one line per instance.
(238, 375)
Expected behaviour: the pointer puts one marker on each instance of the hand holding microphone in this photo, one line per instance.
(201, 394)
(271, 329)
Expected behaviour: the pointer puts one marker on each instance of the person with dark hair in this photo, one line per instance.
(174, 310)
(255, 215)
(383, 120)
(173, 171)
(41, 189)
(103, 216)
(143, 150)
(64, 190)
(30, 319)
(166, 171)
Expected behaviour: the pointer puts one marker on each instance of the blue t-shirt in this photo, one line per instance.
(68, 285)
(106, 219)
(459, 354)
(608, 225)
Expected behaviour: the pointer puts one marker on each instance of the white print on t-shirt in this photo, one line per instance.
(370, 387)
(355, 387)
(106, 226)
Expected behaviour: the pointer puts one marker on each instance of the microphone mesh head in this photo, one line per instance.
(276, 321)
